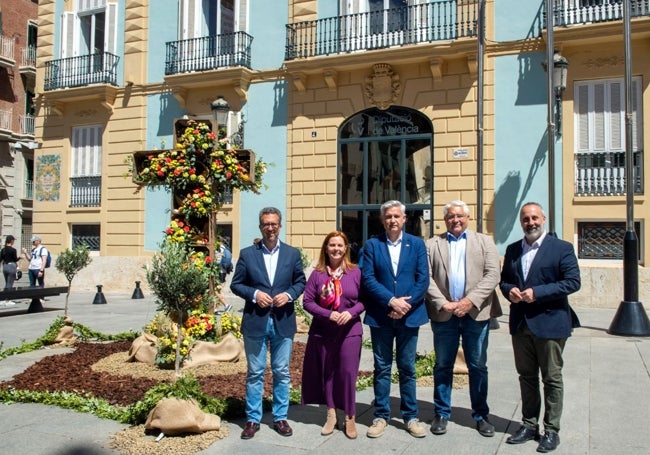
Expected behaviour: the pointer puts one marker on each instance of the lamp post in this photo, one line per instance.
(556, 79)
(630, 318)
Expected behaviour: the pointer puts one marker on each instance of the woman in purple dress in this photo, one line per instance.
(333, 349)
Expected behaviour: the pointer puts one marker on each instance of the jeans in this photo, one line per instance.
(446, 337)
(256, 348)
(33, 278)
(406, 340)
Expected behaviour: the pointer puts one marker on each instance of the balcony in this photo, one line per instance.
(81, 71)
(574, 12)
(86, 191)
(603, 174)
(26, 123)
(423, 23)
(208, 53)
(29, 189)
(28, 64)
(6, 52)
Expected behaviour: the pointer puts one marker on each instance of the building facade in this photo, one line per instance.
(353, 103)
(18, 36)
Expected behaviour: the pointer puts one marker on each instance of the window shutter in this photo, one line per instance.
(190, 24)
(599, 118)
(637, 114)
(87, 151)
(616, 113)
(242, 17)
(110, 44)
(68, 32)
(583, 118)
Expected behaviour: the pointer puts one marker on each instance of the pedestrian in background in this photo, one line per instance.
(37, 258)
(539, 272)
(333, 351)
(464, 268)
(269, 277)
(9, 258)
(395, 277)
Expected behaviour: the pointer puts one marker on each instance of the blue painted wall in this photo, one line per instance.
(266, 135)
(165, 13)
(517, 19)
(267, 20)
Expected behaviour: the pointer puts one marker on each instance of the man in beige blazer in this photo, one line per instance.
(464, 270)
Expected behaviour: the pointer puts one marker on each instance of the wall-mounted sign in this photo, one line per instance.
(460, 154)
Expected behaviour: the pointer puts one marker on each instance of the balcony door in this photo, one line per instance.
(207, 30)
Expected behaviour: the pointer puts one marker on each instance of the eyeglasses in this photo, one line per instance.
(455, 217)
(270, 225)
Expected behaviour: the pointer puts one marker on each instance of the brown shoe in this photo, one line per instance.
(249, 430)
(283, 428)
(350, 427)
(330, 423)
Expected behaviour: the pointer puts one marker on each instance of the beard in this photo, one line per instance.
(533, 233)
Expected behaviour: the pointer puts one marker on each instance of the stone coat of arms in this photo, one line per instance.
(382, 86)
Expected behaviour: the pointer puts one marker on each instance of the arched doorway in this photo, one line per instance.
(384, 155)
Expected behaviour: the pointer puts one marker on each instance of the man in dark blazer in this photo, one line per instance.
(464, 268)
(538, 274)
(269, 276)
(394, 280)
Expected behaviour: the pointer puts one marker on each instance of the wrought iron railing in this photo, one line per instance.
(5, 119)
(7, 47)
(86, 191)
(604, 239)
(209, 52)
(603, 173)
(100, 68)
(29, 189)
(423, 23)
(572, 12)
(26, 123)
(91, 241)
(28, 55)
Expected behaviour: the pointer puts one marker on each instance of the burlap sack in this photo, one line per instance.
(144, 349)
(460, 366)
(173, 416)
(229, 349)
(66, 333)
(301, 325)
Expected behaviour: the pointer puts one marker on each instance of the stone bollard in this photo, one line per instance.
(137, 292)
(99, 297)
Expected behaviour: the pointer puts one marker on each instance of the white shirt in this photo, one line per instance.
(529, 252)
(394, 249)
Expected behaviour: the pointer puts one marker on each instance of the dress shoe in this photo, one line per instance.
(283, 428)
(249, 430)
(485, 428)
(523, 434)
(439, 425)
(549, 442)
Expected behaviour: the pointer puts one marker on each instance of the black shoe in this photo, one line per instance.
(439, 425)
(485, 428)
(549, 442)
(249, 430)
(282, 428)
(523, 434)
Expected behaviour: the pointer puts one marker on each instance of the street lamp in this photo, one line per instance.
(220, 109)
(560, 66)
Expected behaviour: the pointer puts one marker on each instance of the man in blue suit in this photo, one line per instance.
(269, 276)
(538, 274)
(395, 277)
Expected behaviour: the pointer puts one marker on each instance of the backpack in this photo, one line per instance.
(48, 260)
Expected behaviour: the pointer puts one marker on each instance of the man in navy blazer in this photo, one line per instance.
(269, 276)
(395, 277)
(538, 274)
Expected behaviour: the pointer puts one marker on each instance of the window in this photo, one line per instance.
(90, 30)
(86, 234)
(600, 137)
(86, 180)
(604, 239)
(384, 155)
